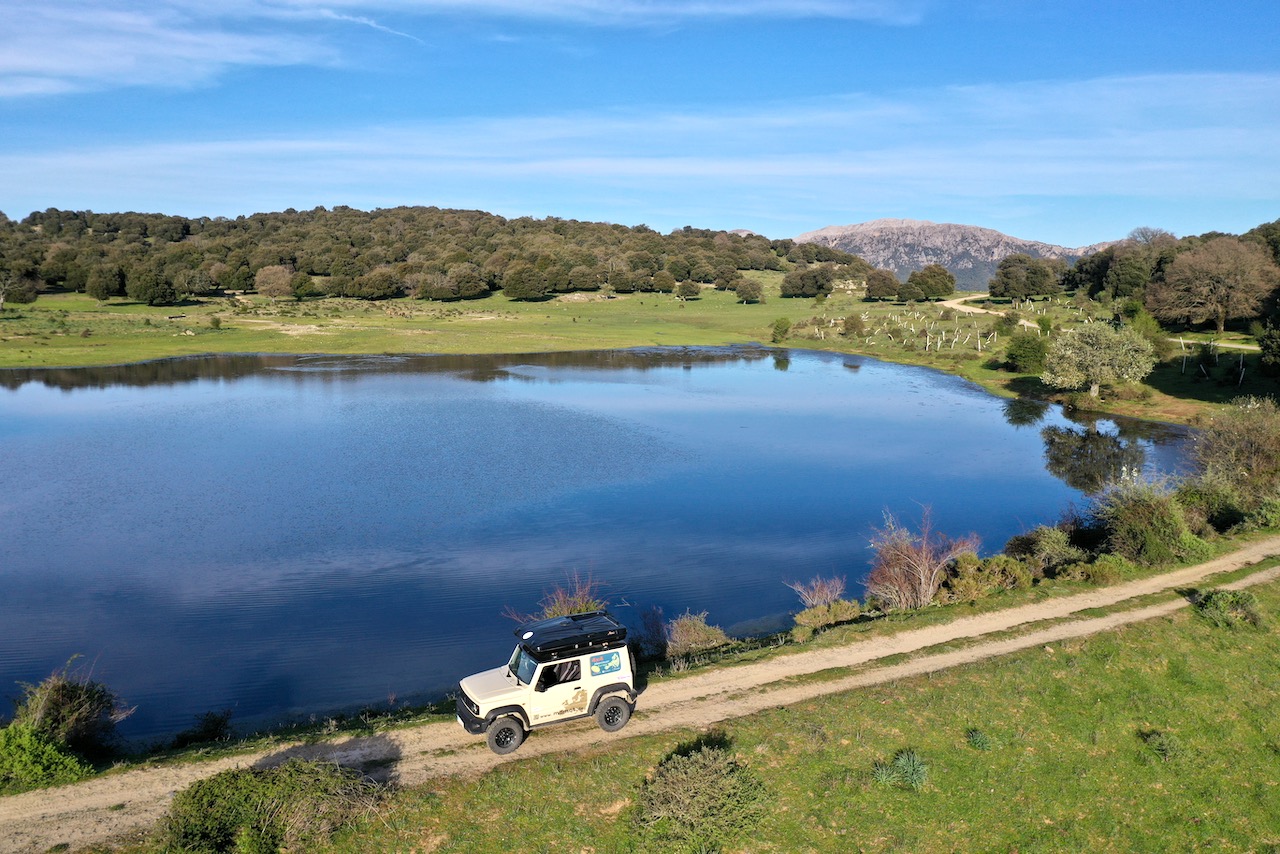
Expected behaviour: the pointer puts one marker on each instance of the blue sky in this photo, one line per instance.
(1070, 122)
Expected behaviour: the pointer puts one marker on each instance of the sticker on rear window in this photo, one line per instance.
(606, 662)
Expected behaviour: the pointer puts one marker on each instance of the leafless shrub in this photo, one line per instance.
(909, 567)
(817, 591)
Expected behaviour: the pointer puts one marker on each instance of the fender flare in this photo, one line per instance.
(516, 712)
(611, 691)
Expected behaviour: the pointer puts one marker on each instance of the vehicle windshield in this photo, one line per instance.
(522, 666)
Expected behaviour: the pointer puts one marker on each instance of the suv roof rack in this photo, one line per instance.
(574, 633)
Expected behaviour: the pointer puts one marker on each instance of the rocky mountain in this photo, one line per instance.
(969, 252)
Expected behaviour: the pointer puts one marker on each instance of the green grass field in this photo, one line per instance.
(1161, 736)
(69, 330)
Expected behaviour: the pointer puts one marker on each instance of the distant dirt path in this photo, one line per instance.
(960, 304)
(128, 803)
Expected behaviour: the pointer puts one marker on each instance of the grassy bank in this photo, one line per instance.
(69, 330)
(1163, 734)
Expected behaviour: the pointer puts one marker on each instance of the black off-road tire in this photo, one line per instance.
(505, 735)
(613, 713)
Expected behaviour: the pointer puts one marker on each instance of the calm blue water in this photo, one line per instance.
(285, 536)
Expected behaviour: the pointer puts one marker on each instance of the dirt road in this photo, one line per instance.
(121, 804)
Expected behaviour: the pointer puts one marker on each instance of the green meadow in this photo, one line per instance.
(71, 330)
(1163, 735)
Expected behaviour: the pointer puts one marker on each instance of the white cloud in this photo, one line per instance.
(75, 45)
(51, 47)
(613, 12)
(1200, 141)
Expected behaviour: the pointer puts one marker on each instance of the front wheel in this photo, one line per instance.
(505, 735)
(612, 714)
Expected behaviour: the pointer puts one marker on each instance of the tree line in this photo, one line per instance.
(1212, 278)
(423, 252)
(439, 254)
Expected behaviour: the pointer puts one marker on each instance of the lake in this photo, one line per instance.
(286, 536)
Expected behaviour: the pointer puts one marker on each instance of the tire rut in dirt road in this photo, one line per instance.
(120, 804)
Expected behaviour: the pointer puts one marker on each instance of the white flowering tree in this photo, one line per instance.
(1097, 354)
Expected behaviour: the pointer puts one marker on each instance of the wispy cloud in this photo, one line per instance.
(92, 45)
(50, 48)
(1152, 139)
(366, 22)
(614, 12)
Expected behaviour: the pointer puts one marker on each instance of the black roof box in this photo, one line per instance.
(576, 632)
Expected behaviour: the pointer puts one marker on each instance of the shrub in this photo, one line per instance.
(1210, 506)
(1241, 447)
(30, 759)
(575, 596)
(977, 739)
(653, 633)
(1145, 524)
(883, 773)
(817, 591)
(1107, 569)
(1044, 549)
(780, 330)
(699, 799)
(1163, 744)
(821, 616)
(294, 806)
(1193, 549)
(1077, 571)
(907, 769)
(209, 727)
(1009, 321)
(690, 633)
(1227, 608)
(1026, 353)
(71, 709)
(1265, 515)
(970, 578)
(1101, 572)
(909, 568)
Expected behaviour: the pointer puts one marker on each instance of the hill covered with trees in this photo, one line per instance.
(423, 252)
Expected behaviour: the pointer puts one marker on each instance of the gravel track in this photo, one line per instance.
(126, 804)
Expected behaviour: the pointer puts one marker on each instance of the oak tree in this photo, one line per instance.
(882, 284)
(1222, 279)
(934, 281)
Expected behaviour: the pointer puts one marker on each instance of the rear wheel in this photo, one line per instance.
(505, 735)
(612, 714)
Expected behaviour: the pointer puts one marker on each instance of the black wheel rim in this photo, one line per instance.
(505, 736)
(612, 714)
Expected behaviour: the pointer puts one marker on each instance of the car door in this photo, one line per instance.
(558, 692)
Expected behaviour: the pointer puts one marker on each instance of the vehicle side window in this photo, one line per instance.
(568, 671)
(558, 674)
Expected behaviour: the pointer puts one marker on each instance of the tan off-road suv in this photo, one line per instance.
(562, 668)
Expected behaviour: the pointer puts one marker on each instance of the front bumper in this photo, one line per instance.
(469, 722)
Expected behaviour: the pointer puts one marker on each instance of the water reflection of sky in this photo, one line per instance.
(296, 535)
